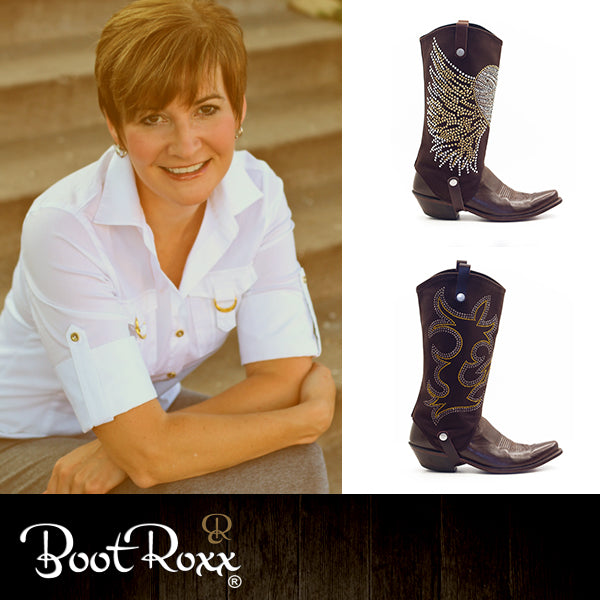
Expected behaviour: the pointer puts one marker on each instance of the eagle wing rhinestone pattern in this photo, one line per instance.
(459, 110)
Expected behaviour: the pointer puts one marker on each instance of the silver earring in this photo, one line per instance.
(238, 133)
(120, 151)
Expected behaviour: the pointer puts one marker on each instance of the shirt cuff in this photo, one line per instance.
(103, 382)
(278, 324)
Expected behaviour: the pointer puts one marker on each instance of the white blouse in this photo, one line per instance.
(92, 327)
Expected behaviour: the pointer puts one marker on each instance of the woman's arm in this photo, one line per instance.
(269, 385)
(154, 447)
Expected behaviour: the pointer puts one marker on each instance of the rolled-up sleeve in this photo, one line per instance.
(276, 318)
(73, 295)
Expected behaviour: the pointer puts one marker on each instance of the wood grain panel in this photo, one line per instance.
(317, 547)
(406, 547)
(474, 538)
(335, 557)
(266, 540)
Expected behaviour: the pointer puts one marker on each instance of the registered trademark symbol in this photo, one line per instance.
(235, 581)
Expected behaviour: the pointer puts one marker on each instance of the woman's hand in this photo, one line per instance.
(317, 395)
(85, 470)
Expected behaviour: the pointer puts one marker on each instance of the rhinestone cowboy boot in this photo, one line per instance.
(460, 64)
(460, 313)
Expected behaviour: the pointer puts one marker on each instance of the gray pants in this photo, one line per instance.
(26, 465)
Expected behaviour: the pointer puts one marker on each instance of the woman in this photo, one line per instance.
(134, 268)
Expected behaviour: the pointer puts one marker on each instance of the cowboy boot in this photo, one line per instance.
(460, 313)
(460, 64)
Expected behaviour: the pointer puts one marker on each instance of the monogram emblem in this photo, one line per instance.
(216, 534)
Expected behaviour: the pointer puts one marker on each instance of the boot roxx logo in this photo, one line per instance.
(138, 543)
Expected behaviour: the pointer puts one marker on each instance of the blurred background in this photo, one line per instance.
(50, 125)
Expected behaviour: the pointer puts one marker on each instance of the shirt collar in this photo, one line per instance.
(120, 203)
(236, 191)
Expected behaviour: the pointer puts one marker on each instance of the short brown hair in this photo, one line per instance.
(153, 51)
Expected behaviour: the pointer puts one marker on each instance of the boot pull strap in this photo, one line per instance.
(464, 270)
(460, 39)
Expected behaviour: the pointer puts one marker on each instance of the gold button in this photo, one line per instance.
(74, 337)
(179, 333)
(171, 375)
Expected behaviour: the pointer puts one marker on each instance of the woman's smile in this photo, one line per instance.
(181, 170)
(184, 173)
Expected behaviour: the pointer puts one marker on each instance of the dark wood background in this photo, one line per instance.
(319, 547)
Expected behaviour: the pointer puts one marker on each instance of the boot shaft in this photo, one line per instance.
(460, 315)
(460, 69)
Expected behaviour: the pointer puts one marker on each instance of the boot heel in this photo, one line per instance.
(436, 208)
(433, 460)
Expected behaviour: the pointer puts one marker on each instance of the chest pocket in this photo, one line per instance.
(224, 290)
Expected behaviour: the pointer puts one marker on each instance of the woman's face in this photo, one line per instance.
(180, 153)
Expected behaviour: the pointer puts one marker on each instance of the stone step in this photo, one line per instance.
(287, 54)
(312, 175)
(29, 166)
(25, 21)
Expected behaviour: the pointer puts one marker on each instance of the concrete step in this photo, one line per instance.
(311, 171)
(24, 21)
(29, 166)
(287, 53)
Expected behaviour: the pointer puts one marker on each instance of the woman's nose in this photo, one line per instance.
(185, 140)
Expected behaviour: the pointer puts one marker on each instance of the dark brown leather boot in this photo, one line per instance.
(460, 313)
(460, 72)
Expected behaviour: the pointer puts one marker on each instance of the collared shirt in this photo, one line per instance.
(92, 327)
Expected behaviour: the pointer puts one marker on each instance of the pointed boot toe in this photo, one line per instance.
(496, 201)
(491, 451)
(543, 201)
(544, 452)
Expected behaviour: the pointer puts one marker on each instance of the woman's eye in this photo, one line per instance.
(206, 110)
(152, 120)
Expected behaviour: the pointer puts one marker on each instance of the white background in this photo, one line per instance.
(544, 377)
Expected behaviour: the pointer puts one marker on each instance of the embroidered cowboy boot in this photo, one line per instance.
(460, 313)
(460, 64)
